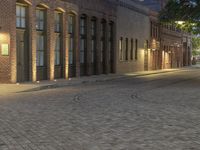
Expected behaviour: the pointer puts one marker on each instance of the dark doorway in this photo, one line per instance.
(146, 56)
(22, 57)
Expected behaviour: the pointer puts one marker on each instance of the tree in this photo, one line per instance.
(183, 13)
(196, 46)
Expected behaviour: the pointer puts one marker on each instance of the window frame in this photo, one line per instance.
(83, 39)
(71, 39)
(40, 50)
(58, 21)
(41, 19)
(121, 56)
(20, 17)
(132, 49)
(136, 49)
(127, 49)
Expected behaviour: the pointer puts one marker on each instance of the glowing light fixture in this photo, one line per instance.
(180, 22)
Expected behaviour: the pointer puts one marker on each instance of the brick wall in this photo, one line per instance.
(8, 64)
(7, 36)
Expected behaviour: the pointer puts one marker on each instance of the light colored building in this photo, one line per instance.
(133, 34)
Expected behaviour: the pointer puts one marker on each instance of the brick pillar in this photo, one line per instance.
(30, 26)
(9, 66)
(33, 35)
(89, 47)
(50, 44)
(65, 45)
(77, 45)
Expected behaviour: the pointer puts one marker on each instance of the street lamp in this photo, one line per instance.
(180, 22)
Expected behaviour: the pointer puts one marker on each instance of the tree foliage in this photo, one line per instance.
(196, 46)
(187, 11)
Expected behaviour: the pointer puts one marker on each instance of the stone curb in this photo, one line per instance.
(57, 85)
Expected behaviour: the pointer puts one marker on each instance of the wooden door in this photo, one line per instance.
(22, 57)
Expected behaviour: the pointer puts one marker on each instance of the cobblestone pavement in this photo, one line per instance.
(154, 112)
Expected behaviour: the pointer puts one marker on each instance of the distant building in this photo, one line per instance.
(172, 47)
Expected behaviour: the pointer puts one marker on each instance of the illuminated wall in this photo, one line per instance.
(7, 42)
(132, 24)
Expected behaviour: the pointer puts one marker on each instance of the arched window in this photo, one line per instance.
(40, 27)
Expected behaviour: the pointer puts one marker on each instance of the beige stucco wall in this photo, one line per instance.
(132, 24)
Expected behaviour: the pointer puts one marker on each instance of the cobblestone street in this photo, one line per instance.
(152, 112)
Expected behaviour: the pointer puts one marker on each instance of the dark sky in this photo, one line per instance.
(152, 4)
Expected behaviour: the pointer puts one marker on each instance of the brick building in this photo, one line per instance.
(51, 39)
(170, 47)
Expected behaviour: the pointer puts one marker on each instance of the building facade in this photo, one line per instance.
(50, 39)
(169, 46)
(133, 33)
(53, 39)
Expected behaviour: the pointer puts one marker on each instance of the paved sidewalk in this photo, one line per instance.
(29, 86)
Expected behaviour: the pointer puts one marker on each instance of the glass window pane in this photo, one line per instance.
(41, 25)
(41, 43)
(41, 14)
(70, 58)
(23, 23)
(57, 22)
(41, 58)
(37, 14)
(70, 24)
(18, 22)
(23, 11)
(82, 44)
(38, 58)
(71, 44)
(57, 58)
(40, 19)
(40, 50)
(57, 51)
(20, 16)
(17, 10)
